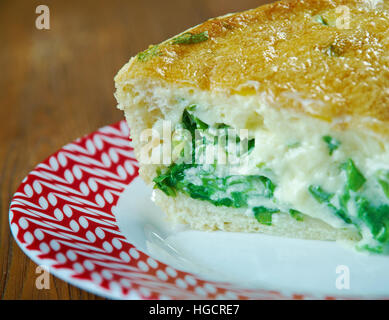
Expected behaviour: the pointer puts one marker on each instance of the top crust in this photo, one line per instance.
(281, 52)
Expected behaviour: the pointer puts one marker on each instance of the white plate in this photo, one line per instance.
(85, 214)
(254, 261)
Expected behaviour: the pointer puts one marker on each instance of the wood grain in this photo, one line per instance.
(57, 85)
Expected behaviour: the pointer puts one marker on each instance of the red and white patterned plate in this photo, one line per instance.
(62, 217)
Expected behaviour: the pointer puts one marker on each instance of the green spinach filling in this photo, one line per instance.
(354, 207)
(191, 38)
(332, 143)
(229, 191)
(146, 55)
(208, 182)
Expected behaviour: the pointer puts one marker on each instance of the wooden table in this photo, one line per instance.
(57, 85)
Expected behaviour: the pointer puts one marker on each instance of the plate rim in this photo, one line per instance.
(133, 294)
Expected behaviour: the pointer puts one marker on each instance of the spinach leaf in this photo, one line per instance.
(340, 212)
(192, 123)
(191, 38)
(192, 107)
(299, 216)
(383, 180)
(168, 181)
(355, 179)
(146, 55)
(375, 217)
(264, 215)
(332, 143)
(320, 19)
(251, 145)
(325, 197)
(373, 249)
(320, 195)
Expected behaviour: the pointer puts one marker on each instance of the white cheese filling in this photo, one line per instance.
(290, 145)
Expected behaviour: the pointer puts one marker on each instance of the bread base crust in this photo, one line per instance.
(200, 215)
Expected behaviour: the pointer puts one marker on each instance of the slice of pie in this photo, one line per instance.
(272, 120)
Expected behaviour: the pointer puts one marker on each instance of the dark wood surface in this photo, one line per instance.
(57, 85)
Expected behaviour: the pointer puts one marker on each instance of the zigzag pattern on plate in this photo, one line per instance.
(62, 216)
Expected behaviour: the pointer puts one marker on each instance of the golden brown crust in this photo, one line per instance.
(280, 50)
